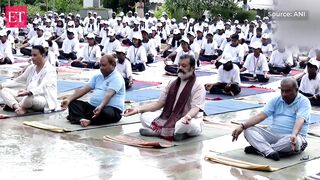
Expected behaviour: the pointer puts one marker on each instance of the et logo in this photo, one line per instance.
(16, 16)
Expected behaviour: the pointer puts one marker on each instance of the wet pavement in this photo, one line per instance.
(30, 153)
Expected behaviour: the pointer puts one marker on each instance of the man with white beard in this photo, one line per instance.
(181, 117)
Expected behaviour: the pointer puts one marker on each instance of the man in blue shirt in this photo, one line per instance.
(106, 102)
(290, 115)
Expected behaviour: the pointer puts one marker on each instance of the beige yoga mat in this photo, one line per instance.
(135, 139)
(314, 131)
(312, 177)
(58, 123)
(231, 158)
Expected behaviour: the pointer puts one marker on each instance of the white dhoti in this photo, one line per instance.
(194, 128)
(10, 98)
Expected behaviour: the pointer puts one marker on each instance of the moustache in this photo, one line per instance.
(181, 71)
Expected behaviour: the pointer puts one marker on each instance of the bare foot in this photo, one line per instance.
(21, 111)
(84, 122)
(208, 86)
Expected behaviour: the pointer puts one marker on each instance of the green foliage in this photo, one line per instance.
(33, 10)
(66, 6)
(195, 8)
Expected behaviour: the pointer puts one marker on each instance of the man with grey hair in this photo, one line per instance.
(290, 114)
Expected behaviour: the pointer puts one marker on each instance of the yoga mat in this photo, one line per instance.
(204, 73)
(312, 177)
(142, 95)
(3, 78)
(312, 151)
(135, 139)
(294, 72)
(61, 124)
(224, 106)
(245, 91)
(271, 80)
(142, 84)
(64, 86)
(9, 114)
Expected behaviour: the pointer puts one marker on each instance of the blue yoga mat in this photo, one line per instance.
(142, 95)
(140, 85)
(64, 86)
(245, 91)
(3, 78)
(224, 106)
(204, 73)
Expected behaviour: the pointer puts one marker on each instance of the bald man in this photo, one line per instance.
(106, 102)
(290, 115)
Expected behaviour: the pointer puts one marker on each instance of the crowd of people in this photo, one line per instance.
(123, 44)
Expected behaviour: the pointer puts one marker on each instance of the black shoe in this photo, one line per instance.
(274, 155)
(251, 150)
(8, 108)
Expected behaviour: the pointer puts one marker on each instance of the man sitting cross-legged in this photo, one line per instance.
(228, 79)
(290, 114)
(182, 102)
(106, 101)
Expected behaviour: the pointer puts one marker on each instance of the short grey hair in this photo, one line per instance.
(290, 80)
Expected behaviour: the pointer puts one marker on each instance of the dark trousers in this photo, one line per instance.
(166, 53)
(25, 51)
(138, 67)
(313, 101)
(303, 64)
(119, 37)
(259, 77)
(220, 88)
(83, 110)
(84, 64)
(98, 39)
(279, 70)
(171, 69)
(207, 57)
(67, 56)
(6, 61)
(150, 58)
(127, 83)
(218, 64)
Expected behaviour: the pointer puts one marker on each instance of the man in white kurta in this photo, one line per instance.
(189, 121)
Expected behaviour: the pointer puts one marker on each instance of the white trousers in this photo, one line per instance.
(194, 128)
(267, 142)
(10, 98)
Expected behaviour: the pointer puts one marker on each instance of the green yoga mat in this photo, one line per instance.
(208, 133)
(312, 151)
(58, 123)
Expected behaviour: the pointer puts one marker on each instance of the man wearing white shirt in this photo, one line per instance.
(172, 69)
(257, 37)
(148, 45)
(111, 45)
(91, 27)
(86, 19)
(208, 49)
(219, 36)
(70, 46)
(36, 40)
(124, 67)
(6, 56)
(90, 55)
(228, 82)
(310, 83)
(124, 31)
(266, 47)
(256, 64)
(236, 51)
(281, 60)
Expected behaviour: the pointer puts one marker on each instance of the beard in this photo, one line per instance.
(184, 75)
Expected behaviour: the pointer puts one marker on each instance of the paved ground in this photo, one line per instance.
(27, 152)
